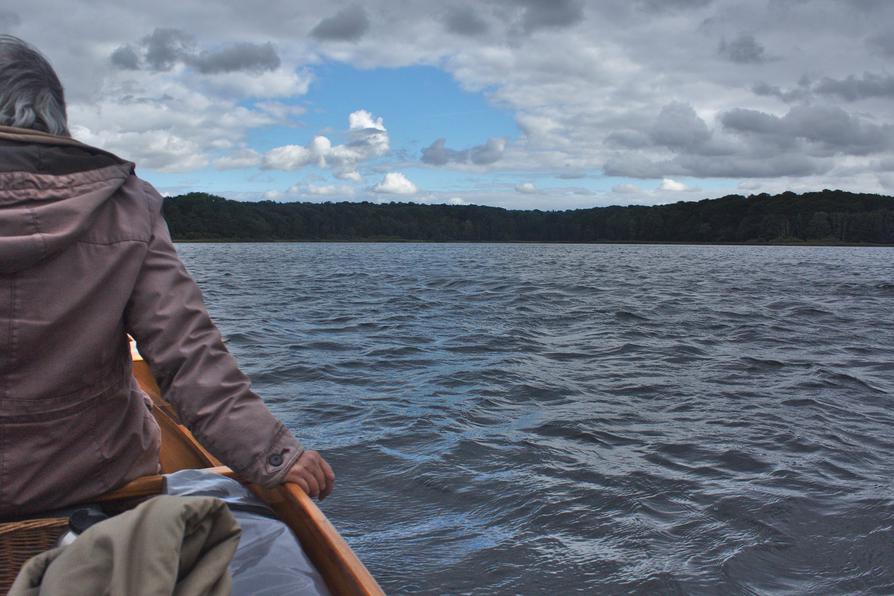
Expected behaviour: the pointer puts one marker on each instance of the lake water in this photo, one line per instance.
(551, 419)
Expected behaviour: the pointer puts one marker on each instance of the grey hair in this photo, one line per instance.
(31, 95)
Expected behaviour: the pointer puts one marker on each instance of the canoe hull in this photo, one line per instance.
(343, 572)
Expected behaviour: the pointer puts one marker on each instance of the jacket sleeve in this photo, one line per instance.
(194, 370)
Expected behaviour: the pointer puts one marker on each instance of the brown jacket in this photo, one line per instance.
(85, 258)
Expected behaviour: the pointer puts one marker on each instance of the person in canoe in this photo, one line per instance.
(86, 259)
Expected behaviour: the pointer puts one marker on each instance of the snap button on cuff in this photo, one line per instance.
(275, 460)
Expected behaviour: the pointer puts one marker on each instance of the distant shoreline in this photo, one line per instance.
(825, 218)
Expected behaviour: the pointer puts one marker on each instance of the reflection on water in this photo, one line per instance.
(560, 418)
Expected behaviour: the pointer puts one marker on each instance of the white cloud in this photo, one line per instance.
(156, 149)
(395, 183)
(672, 185)
(246, 158)
(527, 188)
(361, 119)
(329, 190)
(288, 157)
(283, 82)
(353, 176)
(625, 188)
(457, 201)
(162, 121)
(368, 140)
(280, 110)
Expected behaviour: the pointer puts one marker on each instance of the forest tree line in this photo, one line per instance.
(832, 216)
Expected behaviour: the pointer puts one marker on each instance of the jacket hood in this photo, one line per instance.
(51, 189)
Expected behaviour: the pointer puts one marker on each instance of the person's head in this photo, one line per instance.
(31, 95)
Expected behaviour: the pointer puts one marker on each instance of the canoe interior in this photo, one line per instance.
(342, 571)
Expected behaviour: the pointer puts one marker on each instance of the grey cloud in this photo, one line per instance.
(743, 50)
(833, 129)
(837, 129)
(543, 14)
(788, 96)
(755, 121)
(9, 20)
(464, 21)
(438, 154)
(804, 142)
(785, 164)
(883, 44)
(678, 126)
(163, 48)
(853, 89)
(491, 151)
(238, 57)
(670, 5)
(637, 165)
(631, 139)
(348, 24)
(126, 58)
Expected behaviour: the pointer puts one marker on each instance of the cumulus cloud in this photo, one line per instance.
(489, 152)
(678, 125)
(294, 157)
(799, 93)
(155, 149)
(348, 24)
(163, 124)
(125, 57)
(853, 88)
(166, 47)
(672, 185)
(246, 158)
(242, 56)
(329, 190)
(352, 175)
(463, 20)
(543, 14)
(457, 201)
(282, 82)
(527, 188)
(437, 154)
(368, 138)
(395, 183)
(828, 128)
(744, 49)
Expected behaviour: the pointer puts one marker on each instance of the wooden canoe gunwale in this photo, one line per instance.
(340, 568)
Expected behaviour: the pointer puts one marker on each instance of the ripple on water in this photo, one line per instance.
(582, 419)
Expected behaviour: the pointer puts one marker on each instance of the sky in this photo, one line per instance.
(546, 104)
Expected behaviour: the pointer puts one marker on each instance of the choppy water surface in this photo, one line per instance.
(564, 418)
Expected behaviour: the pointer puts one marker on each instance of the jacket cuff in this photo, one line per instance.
(269, 469)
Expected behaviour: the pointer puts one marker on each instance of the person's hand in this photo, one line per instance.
(312, 474)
